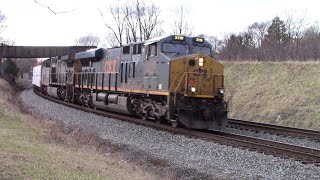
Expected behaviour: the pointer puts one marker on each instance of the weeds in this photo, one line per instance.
(284, 93)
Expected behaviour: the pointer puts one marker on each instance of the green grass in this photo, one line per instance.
(25, 154)
(29, 150)
(26, 151)
(284, 93)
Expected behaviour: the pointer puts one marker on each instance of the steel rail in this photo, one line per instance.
(275, 129)
(305, 155)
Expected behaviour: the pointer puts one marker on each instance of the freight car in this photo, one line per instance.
(172, 79)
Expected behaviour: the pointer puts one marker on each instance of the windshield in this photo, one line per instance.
(201, 50)
(175, 48)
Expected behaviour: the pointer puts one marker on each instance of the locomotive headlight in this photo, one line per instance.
(193, 89)
(221, 91)
(201, 60)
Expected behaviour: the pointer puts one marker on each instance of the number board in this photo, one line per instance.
(178, 38)
(198, 40)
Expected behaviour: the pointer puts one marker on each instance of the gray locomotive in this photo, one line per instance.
(172, 79)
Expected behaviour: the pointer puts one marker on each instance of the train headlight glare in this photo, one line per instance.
(221, 91)
(193, 89)
(201, 60)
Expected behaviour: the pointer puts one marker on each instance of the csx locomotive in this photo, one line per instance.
(172, 79)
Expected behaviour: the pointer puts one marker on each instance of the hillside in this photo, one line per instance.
(284, 93)
(34, 148)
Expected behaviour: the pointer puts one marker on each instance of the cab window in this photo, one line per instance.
(153, 49)
(175, 48)
(201, 50)
(137, 48)
(126, 50)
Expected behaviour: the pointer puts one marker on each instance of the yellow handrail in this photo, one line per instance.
(180, 80)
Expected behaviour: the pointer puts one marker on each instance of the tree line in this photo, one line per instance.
(129, 21)
(13, 66)
(291, 38)
(277, 40)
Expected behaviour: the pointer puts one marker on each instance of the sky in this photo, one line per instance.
(31, 24)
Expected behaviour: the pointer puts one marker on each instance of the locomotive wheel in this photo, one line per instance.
(160, 120)
(176, 124)
(145, 116)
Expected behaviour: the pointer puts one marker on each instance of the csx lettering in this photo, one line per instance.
(110, 66)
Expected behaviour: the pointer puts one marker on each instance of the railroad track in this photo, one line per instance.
(305, 155)
(275, 129)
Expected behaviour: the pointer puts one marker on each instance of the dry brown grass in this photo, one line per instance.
(31, 148)
(285, 93)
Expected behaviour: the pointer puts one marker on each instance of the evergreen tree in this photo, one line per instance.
(277, 32)
(10, 67)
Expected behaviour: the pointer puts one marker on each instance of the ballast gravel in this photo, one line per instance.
(217, 161)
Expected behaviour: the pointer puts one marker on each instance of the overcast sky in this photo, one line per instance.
(32, 24)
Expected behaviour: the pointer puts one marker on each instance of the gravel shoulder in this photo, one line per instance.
(195, 158)
(32, 147)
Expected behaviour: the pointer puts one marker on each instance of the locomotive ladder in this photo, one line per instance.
(174, 121)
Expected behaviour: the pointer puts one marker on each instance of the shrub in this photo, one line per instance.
(10, 67)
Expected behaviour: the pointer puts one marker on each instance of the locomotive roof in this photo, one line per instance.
(157, 39)
(98, 53)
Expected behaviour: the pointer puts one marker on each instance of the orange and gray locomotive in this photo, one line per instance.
(172, 79)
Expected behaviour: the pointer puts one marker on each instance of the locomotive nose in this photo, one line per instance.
(197, 92)
(196, 75)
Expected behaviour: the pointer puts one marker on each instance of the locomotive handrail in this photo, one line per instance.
(63, 75)
(174, 80)
(178, 85)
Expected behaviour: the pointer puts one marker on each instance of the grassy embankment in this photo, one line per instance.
(29, 150)
(284, 93)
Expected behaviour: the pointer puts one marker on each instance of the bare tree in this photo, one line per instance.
(88, 40)
(214, 41)
(311, 43)
(143, 21)
(258, 31)
(112, 40)
(25, 64)
(2, 27)
(181, 24)
(118, 26)
(150, 20)
(296, 24)
(132, 21)
(2, 20)
(6, 42)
